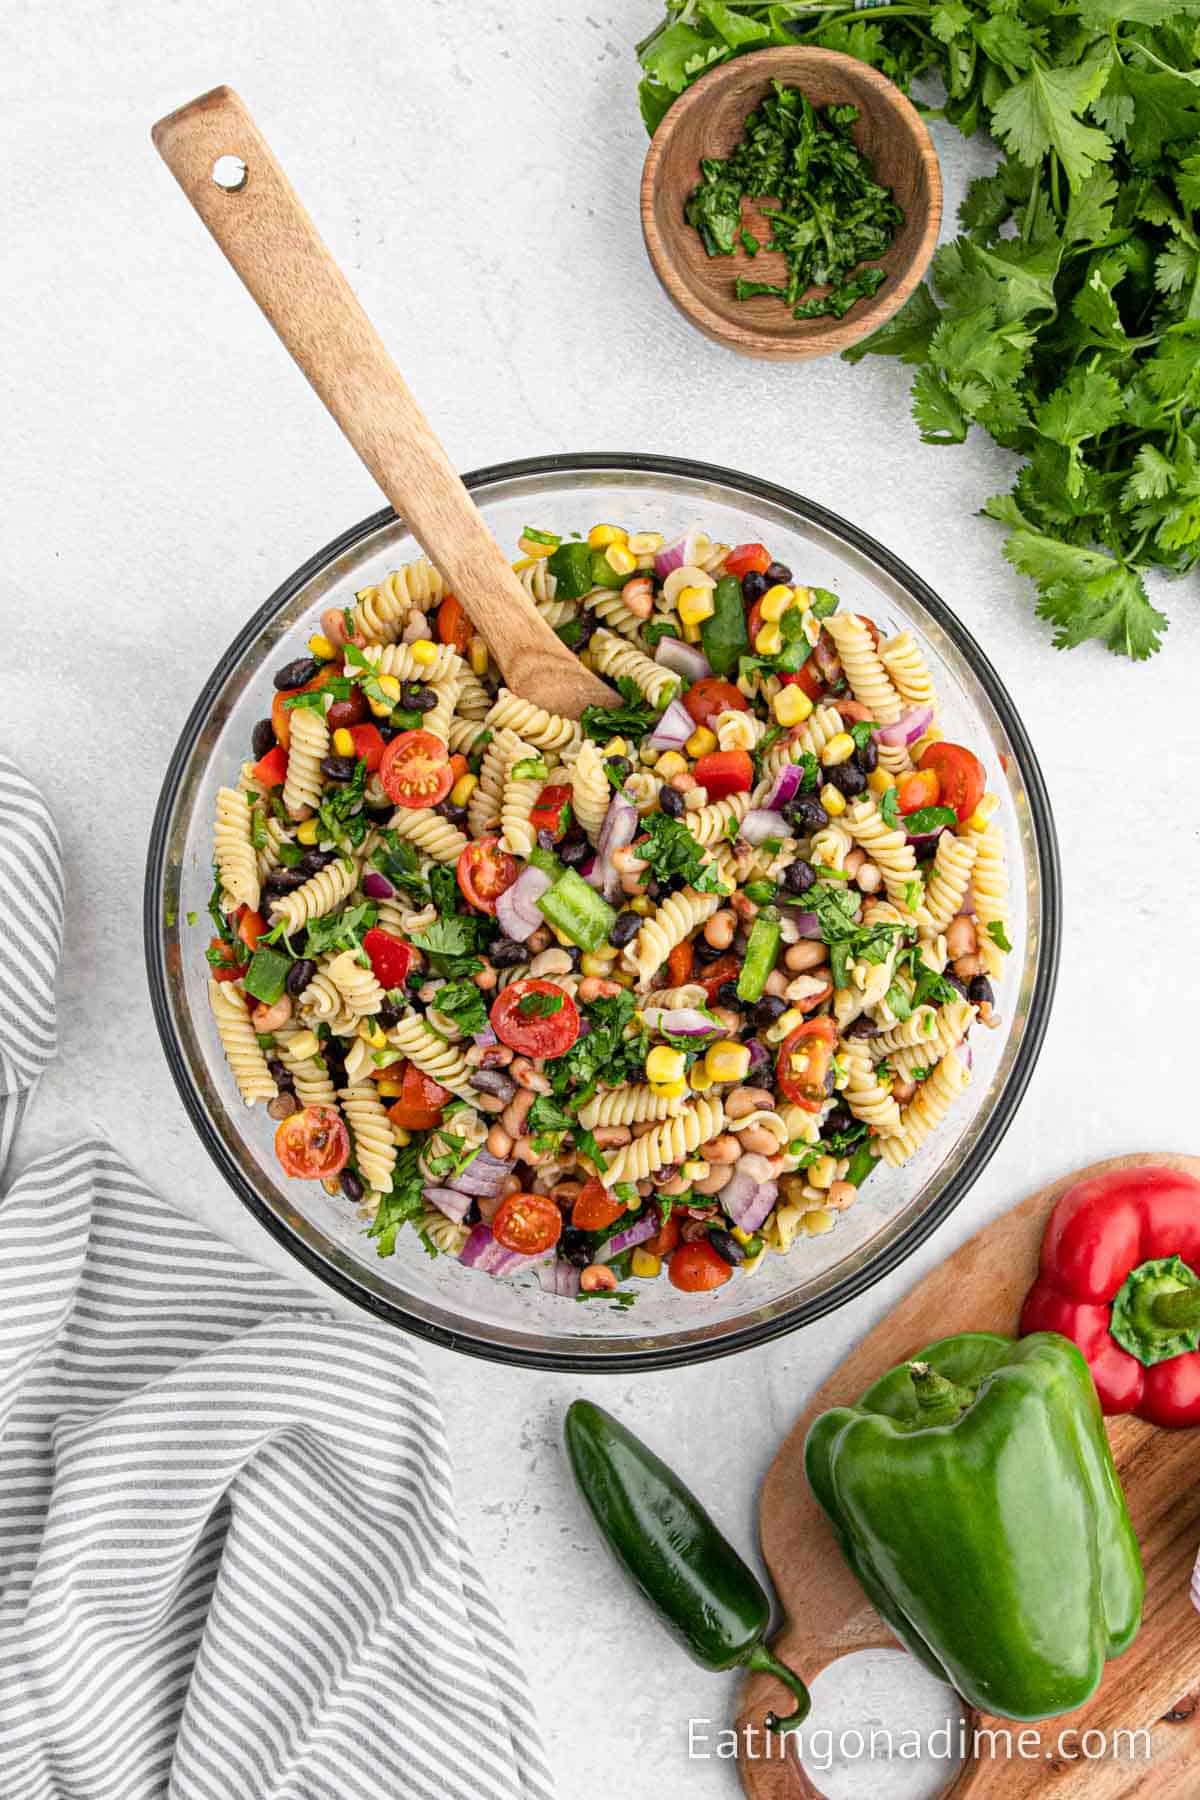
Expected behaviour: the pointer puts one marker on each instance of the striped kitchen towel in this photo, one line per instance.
(231, 1566)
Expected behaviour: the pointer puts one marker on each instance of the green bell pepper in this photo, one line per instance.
(657, 1529)
(973, 1494)
(577, 910)
(762, 948)
(723, 635)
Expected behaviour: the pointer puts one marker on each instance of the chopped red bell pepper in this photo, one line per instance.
(552, 811)
(389, 956)
(271, 770)
(1120, 1276)
(368, 745)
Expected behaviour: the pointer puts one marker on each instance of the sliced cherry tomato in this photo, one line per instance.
(453, 625)
(746, 557)
(711, 695)
(807, 678)
(596, 1208)
(390, 957)
(459, 766)
(665, 1238)
(228, 968)
(680, 963)
(697, 1267)
(754, 621)
(960, 775)
(918, 788)
(724, 772)
(271, 770)
(415, 770)
(368, 745)
(421, 1099)
(535, 1018)
(552, 812)
(713, 975)
(527, 1223)
(485, 871)
(871, 626)
(805, 1059)
(250, 926)
(281, 713)
(344, 715)
(313, 1144)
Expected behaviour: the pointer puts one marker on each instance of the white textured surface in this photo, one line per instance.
(475, 169)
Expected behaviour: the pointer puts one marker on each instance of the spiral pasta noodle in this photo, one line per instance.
(989, 893)
(869, 680)
(483, 808)
(413, 1038)
(474, 701)
(430, 833)
(947, 883)
(866, 1092)
(268, 856)
(612, 611)
(322, 1002)
(901, 657)
(462, 735)
(546, 730)
(437, 719)
(319, 895)
(951, 1024)
(312, 1080)
(918, 1028)
(304, 781)
(399, 660)
(371, 1130)
(676, 918)
(673, 1141)
(830, 846)
(823, 723)
(612, 655)
(628, 1106)
(690, 994)
(933, 1100)
(356, 984)
(710, 824)
(236, 863)
(888, 849)
(380, 613)
(518, 798)
(737, 730)
(239, 1041)
(446, 1235)
(590, 791)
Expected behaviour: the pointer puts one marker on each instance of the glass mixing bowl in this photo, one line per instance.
(511, 1322)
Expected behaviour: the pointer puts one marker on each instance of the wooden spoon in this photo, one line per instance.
(224, 166)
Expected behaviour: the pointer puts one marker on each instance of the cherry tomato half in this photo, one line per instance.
(453, 625)
(421, 1099)
(416, 771)
(805, 1058)
(527, 1223)
(806, 678)
(535, 1018)
(960, 776)
(552, 812)
(665, 1238)
(485, 871)
(680, 963)
(918, 788)
(313, 1143)
(724, 772)
(596, 1208)
(746, 557)
(390, 957)
(711, 695)
(368, 745)
(228, 968)
(250, 926)
(697, 1267)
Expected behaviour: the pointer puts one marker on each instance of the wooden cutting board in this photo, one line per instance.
(980, 1288)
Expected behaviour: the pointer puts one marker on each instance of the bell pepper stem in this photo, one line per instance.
(939, 1400)
(760, 1658)
(1179, 1310)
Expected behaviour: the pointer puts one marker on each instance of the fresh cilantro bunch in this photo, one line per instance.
(1065, 319)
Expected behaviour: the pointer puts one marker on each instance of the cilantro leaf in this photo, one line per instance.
(340, 931)
(461, 1002)
(995, 930)
(403, 1200)
(672, 853)
(1041, 112)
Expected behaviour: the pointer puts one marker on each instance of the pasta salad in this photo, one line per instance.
(655, 990)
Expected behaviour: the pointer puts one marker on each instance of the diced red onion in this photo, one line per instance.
(760, 1057)
(763, 823)
(748, 1202)
(559, 1277)
(481, 1251)
(586, 866)
(680, 1021)
(807, 923)
(483, 1175)
(516, 907)
(671, 558)
(908, 727)
(682, 659)
(785, 787)
(448, 1200)
(619, 829)
(673, 729)
(377, 887)
(637, 1233)
(486, 1038)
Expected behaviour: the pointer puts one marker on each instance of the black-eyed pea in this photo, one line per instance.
(527, 1076)
(539, 939)
(758, 1139)
(743, 906)
(554, 961)
(757, 1166)
(807, 954)
(516, 1112)
(674, 1184)
(807, 990)
(967, 967)
(723, 1149)
(961, 939)
(719, 1176)
(612, 1137)
(719, 930)
(744, 1100)
(903, 1091)
(729, 1020)
(776, 984)
(598, 987)
(869, 879)
(841, 1195)
(499, 1143)
(853, 861)
(486, 978)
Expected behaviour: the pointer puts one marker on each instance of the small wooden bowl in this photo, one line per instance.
(708, 121)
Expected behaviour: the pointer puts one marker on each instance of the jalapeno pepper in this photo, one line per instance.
(723, 636)
(661, 1535)
(761, 950)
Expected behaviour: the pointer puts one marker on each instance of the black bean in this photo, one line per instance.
(778, 572)
(862, 1027)
(625, 929)
(727, 993)
(338, 768)
(829, 1080)
(980, 991)
(388, 1015)
(705, 952)
(588, 625)
(262, 738)
(619, 767)
(283, 881)
(806, 815)
(799, 876)
(768, 1010)
(574, 1248)
(957, 983)
(424, 700)
(280, 1074)
(299, 976)
(868, 756)
(351, 1185)
(839, 1119)
(457, 815)
(505, 953)
(494, 1081)
(573, 851)
(671, 801)
(472, 1215)
(726, 1246)
(386, 730)
(410, 695)
(754, 586)
(294, 674)
(847, 778)
(314, 860)
(545, 839)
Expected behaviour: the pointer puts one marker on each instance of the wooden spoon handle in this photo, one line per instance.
(271, 242)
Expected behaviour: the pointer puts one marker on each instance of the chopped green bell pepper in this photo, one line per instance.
(723, 637)
(973, 1494)
(761, 951)
(577, 910)
(266, 975)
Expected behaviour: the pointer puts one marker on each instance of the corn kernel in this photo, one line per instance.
(566, 942)
(477, 656)
(727, 1060)
(524, 562)
(381, 708)
(702, 742)
(664, 1064)
(769, 641)
(332, 1185)
(601, 536)
(304, 1045)
(323, 648)
(791, 706)
(616, 747)
(424, 652)
(670, 763)
(803, 597)
(620, 560)
(832, 800)
(823, 1173)
(597, 962)
(307, 833)
(400, 1136)
(785, 1024)
(695, 604)
(645, 1264)
(623, 977)
(641, 905)
(839, 749)
(981, 817)
(389, 1090)
(692, 634)
(775, 602)
(390, 685)
(463, 788)
(645, 543)
(817, 1221)
(880, 780)
(738, 1235)
(343, 743)
(695, 1169)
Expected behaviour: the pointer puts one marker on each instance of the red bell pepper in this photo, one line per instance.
(1118, 1275)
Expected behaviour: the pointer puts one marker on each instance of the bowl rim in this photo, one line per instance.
(858, 1281)
(831, 335)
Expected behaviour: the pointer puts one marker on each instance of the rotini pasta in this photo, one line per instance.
(239, 1041)
(901, 657)
(869, 681)
(590, 790)
(371, 1133)
(628, 1106)
(612, 655)
(946, 887)
(951, 1023)
(545, 730)
(237, 867)
(925, 1112)
(402, 662)
(380, 613)
(670, 1142)
(889, 850)
(712, 824)
(413, 1038)
(867, 1091)
(430, 833)
(309, 744)
(667, 926)
(319, 895)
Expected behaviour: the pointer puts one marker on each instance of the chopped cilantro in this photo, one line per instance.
(671, 853)
(539, 1006)
(338, 931)
(462, 1003)
(402, 1202)
(889, 808)
(994, 929)
(632, 719)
